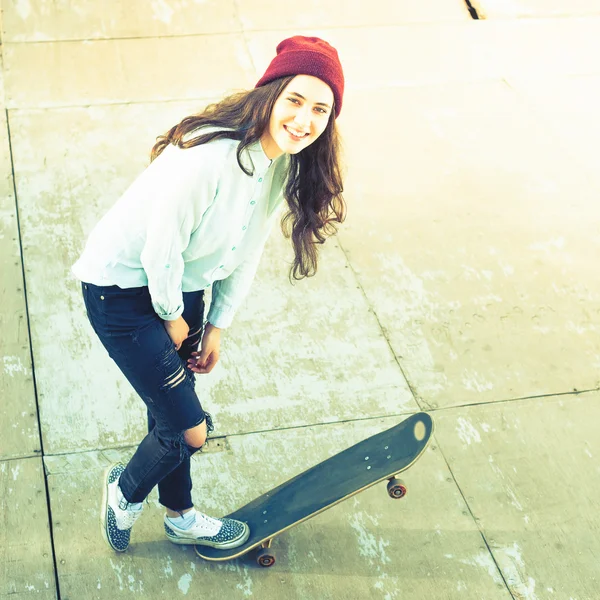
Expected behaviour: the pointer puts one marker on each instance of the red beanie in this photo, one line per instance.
(301, 55)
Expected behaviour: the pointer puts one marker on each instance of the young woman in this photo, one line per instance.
(197, 217)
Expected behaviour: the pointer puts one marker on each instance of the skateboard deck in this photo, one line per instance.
(375, 459)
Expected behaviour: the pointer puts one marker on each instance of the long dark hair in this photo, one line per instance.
(313, 189)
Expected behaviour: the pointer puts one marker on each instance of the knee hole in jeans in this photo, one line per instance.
(196, 436)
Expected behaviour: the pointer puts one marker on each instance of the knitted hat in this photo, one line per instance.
(301, 55)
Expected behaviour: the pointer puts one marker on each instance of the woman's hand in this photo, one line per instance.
(205, 361)
(178, 330)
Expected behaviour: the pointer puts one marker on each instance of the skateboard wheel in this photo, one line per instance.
(396, 488)
(265, 557)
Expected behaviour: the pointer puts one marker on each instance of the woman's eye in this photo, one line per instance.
(317, 108)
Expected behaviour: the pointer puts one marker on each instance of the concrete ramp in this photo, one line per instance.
(39, 21)
(522, 9)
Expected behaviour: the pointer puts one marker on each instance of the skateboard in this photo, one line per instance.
(380, 457)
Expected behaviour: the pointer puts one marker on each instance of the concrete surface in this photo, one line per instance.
(483, 248)
(367, 536)
(18, 412)
(512, 9)
(25, 546)
(528, 472)
(80, 20)
(463, 282)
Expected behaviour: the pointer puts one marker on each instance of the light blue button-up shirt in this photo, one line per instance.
(192, 219)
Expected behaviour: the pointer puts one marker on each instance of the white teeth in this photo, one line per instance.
(296, 133)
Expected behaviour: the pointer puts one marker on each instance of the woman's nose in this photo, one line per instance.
(302, 118)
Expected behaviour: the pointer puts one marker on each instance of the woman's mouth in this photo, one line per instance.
(295, 134)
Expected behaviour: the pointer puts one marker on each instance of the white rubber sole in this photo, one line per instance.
(182, 541)
(104, 510)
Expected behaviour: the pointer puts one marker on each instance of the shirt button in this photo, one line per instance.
(253, 202)
(221, 266)
(233, 249)
(259, 179)
(101, 297)
(244, 228)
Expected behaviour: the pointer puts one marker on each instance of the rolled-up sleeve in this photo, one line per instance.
(181, 185)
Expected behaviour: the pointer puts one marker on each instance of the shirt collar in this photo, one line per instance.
(261, 161)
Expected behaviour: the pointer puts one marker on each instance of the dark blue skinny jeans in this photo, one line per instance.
(136, 339)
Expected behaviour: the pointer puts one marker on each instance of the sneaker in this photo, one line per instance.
(118, 515)
(206, 531)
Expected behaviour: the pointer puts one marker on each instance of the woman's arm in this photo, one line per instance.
(181, 185)
(228, 294)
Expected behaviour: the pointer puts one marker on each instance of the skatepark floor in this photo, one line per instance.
(463, 283)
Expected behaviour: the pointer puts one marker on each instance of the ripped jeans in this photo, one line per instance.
(136, 339)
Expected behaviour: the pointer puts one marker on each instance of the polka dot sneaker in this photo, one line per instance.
(118, 515)
(206, 531)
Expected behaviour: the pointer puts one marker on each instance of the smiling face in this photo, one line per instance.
(299, 116)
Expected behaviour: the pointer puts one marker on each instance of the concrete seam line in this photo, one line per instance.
(35, 392)
(472, 10)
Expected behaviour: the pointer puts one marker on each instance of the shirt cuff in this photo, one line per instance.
(168, 316)
(220, 317)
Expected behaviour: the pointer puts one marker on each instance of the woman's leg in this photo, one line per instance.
(173, 487)
(137, 341)
(175, 490)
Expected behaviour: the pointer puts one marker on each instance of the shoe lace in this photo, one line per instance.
(127, 517)
(205, 521)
